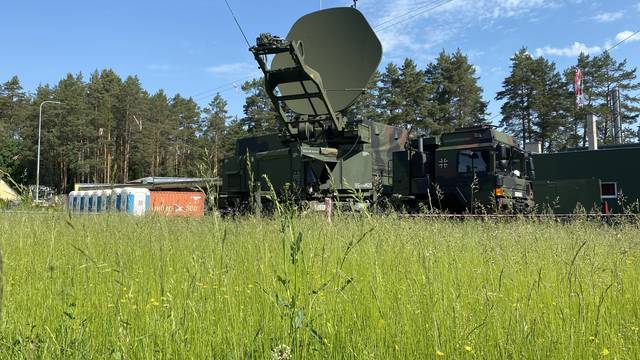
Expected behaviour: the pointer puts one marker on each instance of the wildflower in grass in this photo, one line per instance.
(593, 339)
(439, 353)
(154, 302)
(604, 352)
(281, 352)
(468, 348)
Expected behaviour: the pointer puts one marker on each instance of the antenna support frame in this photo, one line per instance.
(266, 45)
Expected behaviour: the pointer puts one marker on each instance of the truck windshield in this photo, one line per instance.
(473, 161)
(509, 160)
(517, 161)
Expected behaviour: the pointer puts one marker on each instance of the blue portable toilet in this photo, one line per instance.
(76, 201)
(84, 201)
(71, 201)
(97, 201)
(137, 200)
(106, 200)
(116, 198)
(91, 201)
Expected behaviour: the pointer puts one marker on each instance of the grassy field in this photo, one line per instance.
(115, 287)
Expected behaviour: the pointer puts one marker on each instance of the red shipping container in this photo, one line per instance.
(177, 203)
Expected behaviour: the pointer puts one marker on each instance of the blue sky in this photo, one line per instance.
(193, 47)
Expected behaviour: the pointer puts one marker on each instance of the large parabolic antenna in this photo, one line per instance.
(342, 47)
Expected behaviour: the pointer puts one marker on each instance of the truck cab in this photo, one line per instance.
(473, 169)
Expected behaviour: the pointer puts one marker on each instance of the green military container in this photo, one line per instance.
(566, 196)
(614, 167)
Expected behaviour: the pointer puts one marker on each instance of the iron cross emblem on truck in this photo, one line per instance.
(443, 163)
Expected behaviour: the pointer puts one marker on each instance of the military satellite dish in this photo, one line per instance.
(342, 47)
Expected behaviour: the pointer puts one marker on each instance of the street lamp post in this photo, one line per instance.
(39, 132)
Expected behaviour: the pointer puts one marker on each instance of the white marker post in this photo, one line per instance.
(328, 208)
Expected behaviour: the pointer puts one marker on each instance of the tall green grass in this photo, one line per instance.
(117, 287)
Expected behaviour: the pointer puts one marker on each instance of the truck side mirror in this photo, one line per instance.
(532, 169)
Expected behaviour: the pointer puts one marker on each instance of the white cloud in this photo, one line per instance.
(406, 26)
(577, 47)
(572, 51)
(625, 36)
(608, 17)
(509, 8)
(237, 68)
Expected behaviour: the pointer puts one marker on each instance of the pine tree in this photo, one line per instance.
(157, 132)
(14, 145)
(467, 104)
(456, 100)
(390, 97)
(215, 128)
(551, 103)
(367, 106)
(102, 92)
(69, 138)
(129, 118)
(235, 130)
(608, 75)
(188, 151)
(414, 94)
(260, 118)
(518, 92)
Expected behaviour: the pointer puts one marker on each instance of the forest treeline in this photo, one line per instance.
(110, 129)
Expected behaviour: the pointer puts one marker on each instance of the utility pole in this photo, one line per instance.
(39, 133)
(617, 115)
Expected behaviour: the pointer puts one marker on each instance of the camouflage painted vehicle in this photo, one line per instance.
(313, 77)
(472, 169)
(353, 166)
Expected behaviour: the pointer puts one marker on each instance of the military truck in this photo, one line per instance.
(313, 77)
(351, 167)
(471, 169)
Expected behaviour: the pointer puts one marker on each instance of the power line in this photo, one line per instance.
(414, 14)
(224, 85)
(237, 23)
(419, 10)
(220, 91)
(207, 93)
(623, 40)
(422, 5)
